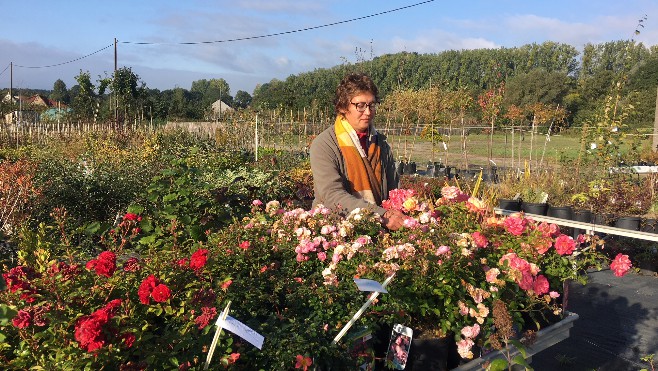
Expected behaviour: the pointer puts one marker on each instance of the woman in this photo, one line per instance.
(352, 163)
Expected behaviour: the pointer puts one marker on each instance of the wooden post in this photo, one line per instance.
(655, 126)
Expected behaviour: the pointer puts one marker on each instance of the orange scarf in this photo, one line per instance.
(364, 170)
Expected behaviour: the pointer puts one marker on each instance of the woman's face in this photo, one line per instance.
(360, 121)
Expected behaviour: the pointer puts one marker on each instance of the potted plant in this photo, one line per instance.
(534, 200)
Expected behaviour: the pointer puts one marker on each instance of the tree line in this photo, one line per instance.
(550, 74)
(515, 83)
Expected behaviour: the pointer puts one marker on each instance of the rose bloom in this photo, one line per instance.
(549, 229)
(564, 245)
(198, 259)
(104, 265)
(131, 265)
(257, 202)
(471, 332)
(161, 293)
(480, 240)
(543, 245)
(620, 265)
(145, 289)
(492, 275)
(303, 362)
(450, 192)
(128, 338)
(475, 205)
(464, 348)
(131, 216)
(494, 222)
(515, 225)
(410, 204)
(245, 245)
(226, 284)
(540, 286)
(23, 319)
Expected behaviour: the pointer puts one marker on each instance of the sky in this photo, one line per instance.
(170, 44)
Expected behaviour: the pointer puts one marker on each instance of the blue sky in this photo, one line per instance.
(39, 33)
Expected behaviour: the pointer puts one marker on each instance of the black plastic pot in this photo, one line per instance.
(410, 168)
(562, 212)
(537, 208)
(508, 204)
(433, 354)
(649, 226)
(628, 222)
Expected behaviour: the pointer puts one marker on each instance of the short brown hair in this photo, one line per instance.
(353, 84)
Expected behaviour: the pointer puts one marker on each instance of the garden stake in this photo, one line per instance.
(358, 314)
(216, 337)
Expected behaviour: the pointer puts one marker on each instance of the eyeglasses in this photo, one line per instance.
(361, 106)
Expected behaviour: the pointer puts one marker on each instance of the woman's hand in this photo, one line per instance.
(393, 219)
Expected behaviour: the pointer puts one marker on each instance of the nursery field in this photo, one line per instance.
(122, 249)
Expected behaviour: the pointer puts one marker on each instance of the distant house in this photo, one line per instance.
(33, 108)
(219, 108)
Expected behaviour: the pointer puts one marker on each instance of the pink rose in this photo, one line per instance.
(620, 265)
(515, 225)
(471, 332)
(564, 244)
(480, 240)
(540, 286)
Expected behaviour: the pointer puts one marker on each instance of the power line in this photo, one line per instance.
(3, 71)
(232, 40)
(279, 33)
(71, 61)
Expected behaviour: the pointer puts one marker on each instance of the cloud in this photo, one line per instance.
(436, 41)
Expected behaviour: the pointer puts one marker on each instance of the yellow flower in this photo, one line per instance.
(410, 204)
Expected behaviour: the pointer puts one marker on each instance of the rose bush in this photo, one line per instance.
(150, 294)
(117, 310)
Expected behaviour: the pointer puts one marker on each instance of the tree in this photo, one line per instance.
(242, 99)
(60, 93)
(537, 86)
(127, 90)
(210, 91)
(85, 103)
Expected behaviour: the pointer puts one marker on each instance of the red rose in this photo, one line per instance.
(198, 259)
(145, 289)
(23, 319)
(161, 293)
(207, 315)
(131, 216)
(480, 240)
(89, 333)
(104, 265)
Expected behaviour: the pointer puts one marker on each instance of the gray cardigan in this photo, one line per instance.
(330, 182)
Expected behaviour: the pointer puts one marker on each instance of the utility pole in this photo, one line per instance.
(655, 126)
(116, 97)
(11, 82)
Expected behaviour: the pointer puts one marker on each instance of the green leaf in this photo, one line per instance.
(519, 360)
(92, 228)
(518, 346)
(136, 209)
(498, 365)
(170, 197)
